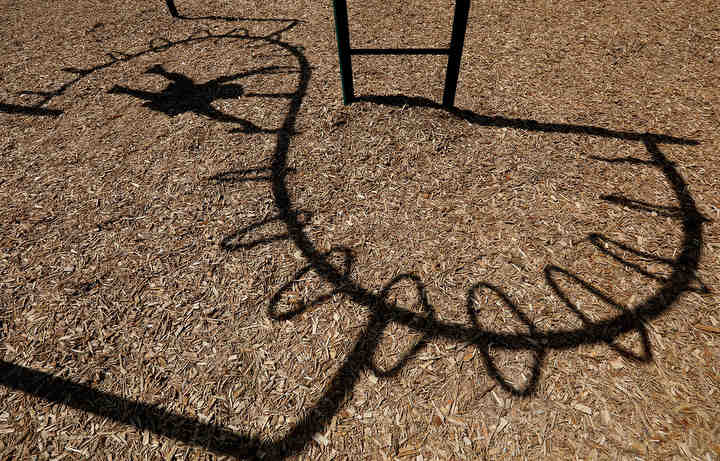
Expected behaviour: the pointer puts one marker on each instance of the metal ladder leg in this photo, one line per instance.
(342, 32)
(457, 41)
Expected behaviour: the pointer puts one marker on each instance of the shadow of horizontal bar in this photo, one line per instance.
(144, 416)
(399, 51)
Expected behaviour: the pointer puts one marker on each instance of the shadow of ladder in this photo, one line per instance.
(454, 52)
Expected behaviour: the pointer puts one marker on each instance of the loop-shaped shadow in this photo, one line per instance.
(383, 317)
(203, 34)
(318, 418)
(301, 306)
(601, 243)
(484, 342)
(116, 56)
(627, 321)
(241, 32)
(234, 241)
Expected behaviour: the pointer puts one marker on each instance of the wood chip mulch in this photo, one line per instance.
(205, 255)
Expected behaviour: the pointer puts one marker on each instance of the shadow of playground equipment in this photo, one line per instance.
(383, 312)
(29, 110)
(683, 267)
(537, 342)
(156, 45)
(176, 14)
(183, 95)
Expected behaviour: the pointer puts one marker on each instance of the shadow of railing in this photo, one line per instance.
(383, 311)
(535, 341)
(176, 14)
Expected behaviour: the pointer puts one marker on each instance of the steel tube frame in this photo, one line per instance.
(454, 52)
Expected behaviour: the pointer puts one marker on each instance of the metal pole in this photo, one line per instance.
(462, 8)
(342, 34)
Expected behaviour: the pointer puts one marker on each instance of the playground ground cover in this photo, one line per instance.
(205, 255)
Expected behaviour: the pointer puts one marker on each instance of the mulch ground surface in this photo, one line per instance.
(205, 255)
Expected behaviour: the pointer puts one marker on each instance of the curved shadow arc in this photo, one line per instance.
(598, 240)
(382, 311)
(484, 343)
(151, 417)
(558, 339)
(628, 319)
(523, 124)
(427, 316)
(272, 310)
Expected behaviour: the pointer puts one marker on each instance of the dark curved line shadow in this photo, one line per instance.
(561, 339)
(484, 343)
(249, 175)
(301, 307)
(176, 14)
(127, 411)
(676, 283)
(628, 160)
(523, 124)
(233, 241)
(661, 210)
(628, 321)
(381, 310)
(598, 239)
(173, 9)
(151, 417)
(419, 322)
